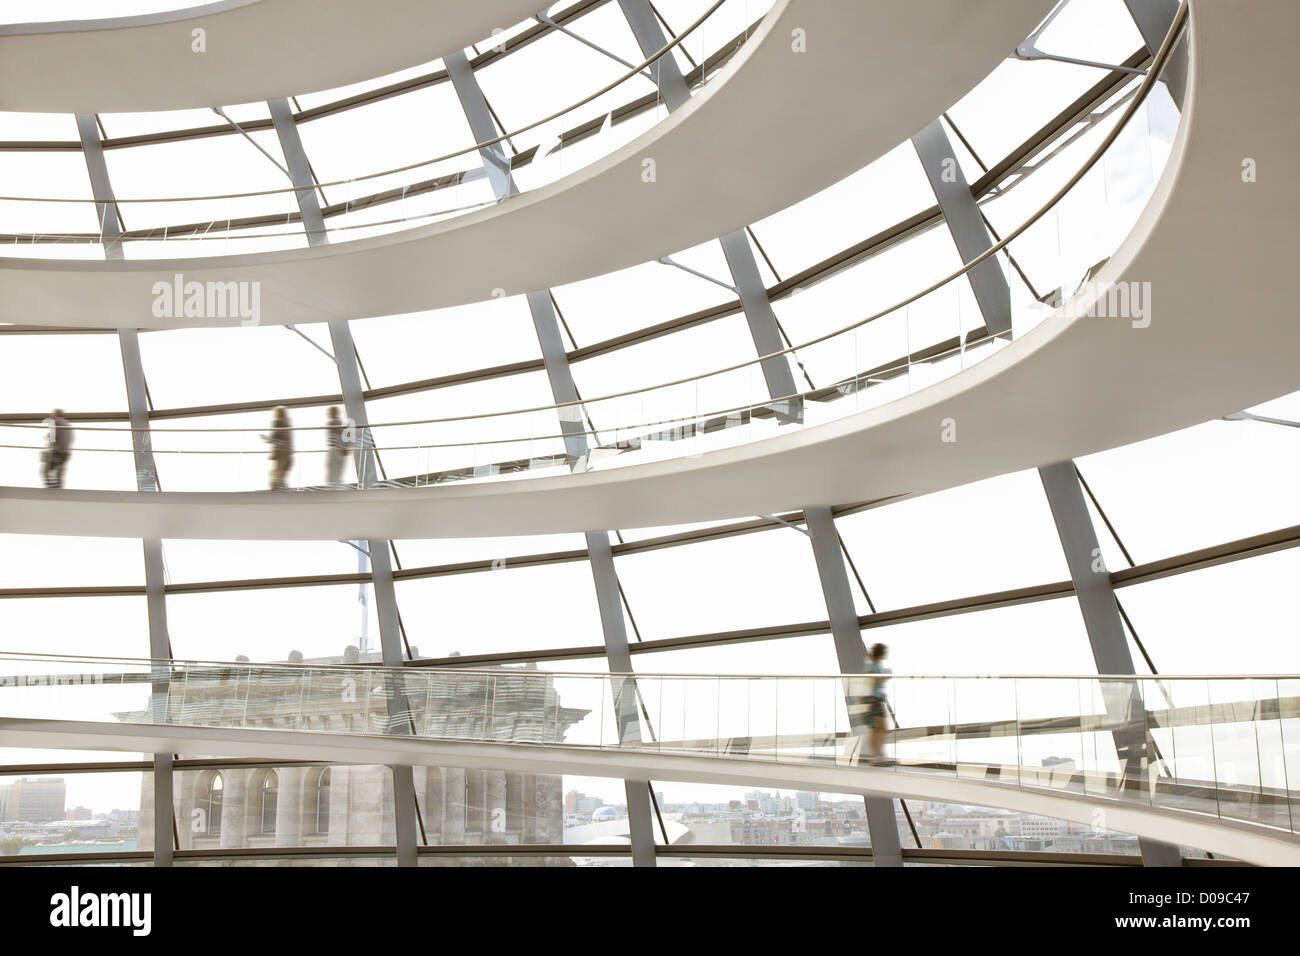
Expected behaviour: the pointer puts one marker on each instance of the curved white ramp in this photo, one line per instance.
(775, 127)
(254, 50)
(1247, 842)
(1218, 252)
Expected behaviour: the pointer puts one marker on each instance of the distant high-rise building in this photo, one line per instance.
(39, 800)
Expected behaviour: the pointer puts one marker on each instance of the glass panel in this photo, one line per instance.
(74, 813)
(242, 807)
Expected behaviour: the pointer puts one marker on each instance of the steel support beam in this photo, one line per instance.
(481, 124)
(1153, 19)
(735, 245)
(564, 391)
(779, 379)
(381, 567)
(146, 474)
(886, 848)
(1101, 619)
(650, 38)
(965, 223)
(761, 318)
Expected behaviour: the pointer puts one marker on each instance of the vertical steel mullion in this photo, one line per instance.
(146, 480)
(1105, 629)
(882, 822)
(966, 225)
(381, 572)
(546, 325)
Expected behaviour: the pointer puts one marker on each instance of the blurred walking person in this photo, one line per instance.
(336, 448)
(877, 713)
(280, 439)
(57, 450)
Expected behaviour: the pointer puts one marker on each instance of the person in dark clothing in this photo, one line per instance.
(58, 449)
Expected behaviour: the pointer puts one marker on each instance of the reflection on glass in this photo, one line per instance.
(1219, 746)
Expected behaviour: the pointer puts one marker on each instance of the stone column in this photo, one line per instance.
(433, 804)
(144, 841)
(387, 821)
(550, 822)
(453, 815)
(475, 804)
(187, 799)
(290, 806)
(235, 809)
(340, 805)
(515, 783)
(528, 808)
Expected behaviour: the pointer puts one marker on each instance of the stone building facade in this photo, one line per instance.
(336, 805)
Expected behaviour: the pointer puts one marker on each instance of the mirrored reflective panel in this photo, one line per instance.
(399, 350)
(812, 654)
(53, 175)
(320, 623)
(526, 86)
(116, 127)
(78, 372)
(440, 552)
(189, 171)
(755, 580)
(192, 367)
(192, 561)
(988, 536)
(53, 561)
(69, 812)
(507, 609)
(603, 308)
(1235, 618)
(1102, 32)
(851, 210)
(399, 130)
(82, 625)
(1200, 486)
(1045, 637)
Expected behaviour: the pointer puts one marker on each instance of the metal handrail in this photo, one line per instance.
(1147, 83)
(663, 51)
(500, 672)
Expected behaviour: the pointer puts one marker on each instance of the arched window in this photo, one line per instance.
(321, 819)
(270, 794)
(216, 791)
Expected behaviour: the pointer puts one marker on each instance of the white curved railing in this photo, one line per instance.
(374, 203)
(61, 11)
(928, 336)
(1224, 747)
